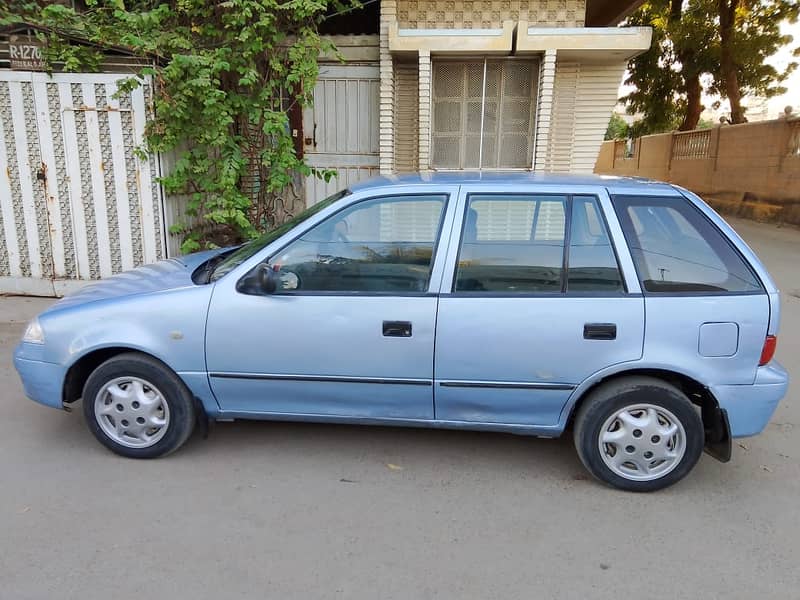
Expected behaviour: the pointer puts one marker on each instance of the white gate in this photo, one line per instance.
(76, 201)
(340, 131)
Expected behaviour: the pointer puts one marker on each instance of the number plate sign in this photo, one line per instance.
(25, 53)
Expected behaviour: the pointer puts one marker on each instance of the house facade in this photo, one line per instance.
(471, 84)
(416, 85)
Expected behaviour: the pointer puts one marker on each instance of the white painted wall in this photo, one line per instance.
(584, 96)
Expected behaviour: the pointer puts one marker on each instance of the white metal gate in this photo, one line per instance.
(76, 202)
(340, 131)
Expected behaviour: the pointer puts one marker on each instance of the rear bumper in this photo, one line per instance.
(41, 380)
(750, 407)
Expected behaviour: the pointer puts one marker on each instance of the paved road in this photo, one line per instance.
(284, 511)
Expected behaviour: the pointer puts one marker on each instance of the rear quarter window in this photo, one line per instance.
(677, 249)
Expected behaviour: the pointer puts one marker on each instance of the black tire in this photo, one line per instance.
(607, 399)
(182, 411)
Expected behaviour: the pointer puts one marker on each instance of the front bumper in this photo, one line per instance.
(750, 407)
(42, 381)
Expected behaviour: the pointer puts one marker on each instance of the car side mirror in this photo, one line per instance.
(267, 278)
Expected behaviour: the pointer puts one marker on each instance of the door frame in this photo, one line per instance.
(618, 242)
(511, 394)
(228, 286)
(228, 283)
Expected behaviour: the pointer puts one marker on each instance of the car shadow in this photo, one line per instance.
(390, 446)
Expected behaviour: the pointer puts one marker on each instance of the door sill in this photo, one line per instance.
(548, 431)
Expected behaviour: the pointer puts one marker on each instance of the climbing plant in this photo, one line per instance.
(226, 75)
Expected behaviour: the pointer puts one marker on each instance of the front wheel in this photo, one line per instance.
(137, 407)
(639, 434)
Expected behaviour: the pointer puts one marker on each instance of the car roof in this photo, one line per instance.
(508, 177)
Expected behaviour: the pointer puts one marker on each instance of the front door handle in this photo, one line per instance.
(600, 331)
(397, 328)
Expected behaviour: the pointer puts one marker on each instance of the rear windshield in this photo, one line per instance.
(677, 249)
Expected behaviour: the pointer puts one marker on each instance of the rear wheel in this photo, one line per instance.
(639, 434)
(137, 407)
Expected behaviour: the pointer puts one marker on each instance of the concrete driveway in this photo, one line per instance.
(283, 511)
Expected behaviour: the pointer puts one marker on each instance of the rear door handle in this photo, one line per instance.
(397, 328)
(600, 331)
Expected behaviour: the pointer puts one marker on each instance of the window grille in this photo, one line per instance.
(483, 114)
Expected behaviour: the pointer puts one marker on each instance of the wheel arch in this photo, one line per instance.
(78, 372)
(715, 422)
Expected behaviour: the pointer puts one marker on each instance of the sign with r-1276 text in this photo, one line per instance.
(25, 53)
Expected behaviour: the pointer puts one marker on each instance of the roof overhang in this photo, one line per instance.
(604, 44)
(585, 43)
(452, 41)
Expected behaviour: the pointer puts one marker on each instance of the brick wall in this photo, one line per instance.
(484, 14)
(751, 170)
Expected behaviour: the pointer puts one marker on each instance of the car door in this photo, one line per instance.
(532, 303)
(349, 330)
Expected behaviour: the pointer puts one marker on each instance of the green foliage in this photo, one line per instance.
(684, 60)
(666, 77)
(752, 37)
(227, 75)
(617, 128)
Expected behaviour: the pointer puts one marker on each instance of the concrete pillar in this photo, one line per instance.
(424, 110)
(544, 110)
(386, 143)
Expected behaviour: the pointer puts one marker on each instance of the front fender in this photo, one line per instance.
(169, 325)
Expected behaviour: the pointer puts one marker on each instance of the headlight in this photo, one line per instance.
(33, 333)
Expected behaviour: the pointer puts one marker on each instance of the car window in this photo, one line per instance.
(252, 247)
(676, 249)
(384, 245)
(512, 243)
(592, 263)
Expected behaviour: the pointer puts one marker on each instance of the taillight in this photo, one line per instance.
(768, 351)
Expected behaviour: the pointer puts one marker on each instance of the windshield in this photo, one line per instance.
(252, 248)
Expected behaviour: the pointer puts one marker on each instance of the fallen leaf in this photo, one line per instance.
(766, 468)
(394, 467)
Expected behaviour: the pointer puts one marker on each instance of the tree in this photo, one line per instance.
(227, 76)
(749, 33)
(666, 78)
(617, 128)
(705, 47)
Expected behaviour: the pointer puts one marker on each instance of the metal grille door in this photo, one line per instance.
(483, 114)
(340, 130)
(77, 203)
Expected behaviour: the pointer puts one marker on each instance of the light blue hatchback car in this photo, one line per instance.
(625, 309)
